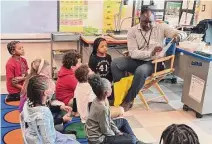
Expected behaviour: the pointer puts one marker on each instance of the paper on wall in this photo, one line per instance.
(196, 88)
(146, 2)
(172, 13)
(188, 4)
(186, 18)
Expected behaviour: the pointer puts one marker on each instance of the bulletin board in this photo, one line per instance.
(88, 16)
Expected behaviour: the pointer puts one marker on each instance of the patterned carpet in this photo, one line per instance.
(10, 125)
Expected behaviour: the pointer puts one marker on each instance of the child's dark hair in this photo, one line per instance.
(71, 58)
(35, 90)
(82, 73)
(11, 46)
(97, 86)
(96, 45)
(179, 134)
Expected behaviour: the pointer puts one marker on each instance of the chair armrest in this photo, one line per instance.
(163, 59)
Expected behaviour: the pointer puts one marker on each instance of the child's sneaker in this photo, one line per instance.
(17, 98)
(10, 98)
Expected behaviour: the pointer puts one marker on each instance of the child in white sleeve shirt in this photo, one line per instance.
(84, 94)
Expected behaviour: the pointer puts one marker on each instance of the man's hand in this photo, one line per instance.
(68, 109)
(156, 50)
(176, 38)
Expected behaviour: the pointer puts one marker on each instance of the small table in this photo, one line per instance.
(196, 70)
(114, 46)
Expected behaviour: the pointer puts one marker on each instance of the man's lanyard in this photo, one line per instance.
(147, 42)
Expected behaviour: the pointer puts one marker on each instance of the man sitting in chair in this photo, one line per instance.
(145, 40)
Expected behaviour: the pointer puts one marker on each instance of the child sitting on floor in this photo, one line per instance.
(99, 126)
(38, 117)
(16, 71)
(179, 134)
(67, 82)
(85, 95)
(100, 61)
(42, 67)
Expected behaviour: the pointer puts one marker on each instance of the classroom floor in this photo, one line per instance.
(149, 125)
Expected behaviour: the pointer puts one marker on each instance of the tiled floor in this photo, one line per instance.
(148, 125)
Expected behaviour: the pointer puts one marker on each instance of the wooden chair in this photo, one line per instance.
(155, 78)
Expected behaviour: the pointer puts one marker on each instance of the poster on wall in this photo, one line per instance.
(188, 4)
(111, 8)
(72, 14)
(172, 13)
(196, 13)
(186, 18)
(196, 88)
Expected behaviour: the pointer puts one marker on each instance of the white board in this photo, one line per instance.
(28, 16)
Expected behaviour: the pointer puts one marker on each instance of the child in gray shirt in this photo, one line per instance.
(99, 126)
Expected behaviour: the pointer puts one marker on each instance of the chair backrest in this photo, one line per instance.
(165, 71)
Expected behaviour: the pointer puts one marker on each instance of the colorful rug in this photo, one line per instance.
(8, 105)
(9, 118)
(11, 135)
(10, 124)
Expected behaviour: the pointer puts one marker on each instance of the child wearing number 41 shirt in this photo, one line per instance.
(100, 61)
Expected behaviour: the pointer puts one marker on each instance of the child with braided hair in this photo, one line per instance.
(38, 117)
(16, 71)
(179, 134)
